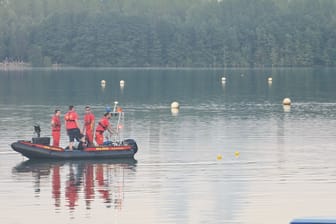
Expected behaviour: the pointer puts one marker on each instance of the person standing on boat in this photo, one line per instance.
(56, 128)
(103, 125)
(72, 126)
(88, 127)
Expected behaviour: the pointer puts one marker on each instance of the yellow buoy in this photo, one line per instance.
(286, 101)
(219, 157)
(175, 105)
(237, 153)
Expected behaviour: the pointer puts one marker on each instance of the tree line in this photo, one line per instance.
(169, 33)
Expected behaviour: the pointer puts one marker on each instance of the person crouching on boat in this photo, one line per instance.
(82, 143)
(56, 128)
(72, 126)
(88, 127)
(103, 125)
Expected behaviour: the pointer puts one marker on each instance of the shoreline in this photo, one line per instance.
(20, 65)
(15, 65)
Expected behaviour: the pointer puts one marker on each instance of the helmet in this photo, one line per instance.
(108, 109)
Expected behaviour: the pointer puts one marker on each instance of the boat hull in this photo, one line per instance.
(38, 151)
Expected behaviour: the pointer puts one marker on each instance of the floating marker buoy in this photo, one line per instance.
(223, 79)
(219, 157)
(103, 84)
(175, 105)
(237, 153)
(286, 101)
(122, 82)
(270, 79)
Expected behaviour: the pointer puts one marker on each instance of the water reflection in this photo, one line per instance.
(79, 181)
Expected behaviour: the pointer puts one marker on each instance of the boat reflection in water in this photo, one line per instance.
(73, 181)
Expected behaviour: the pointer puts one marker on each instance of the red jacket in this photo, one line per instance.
(88, 119)
(56, 123)
(102, 124)
(70, 120)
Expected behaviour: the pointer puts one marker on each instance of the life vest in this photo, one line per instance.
(70, 120)
(88, 118)
(102, 125)
(57, 123)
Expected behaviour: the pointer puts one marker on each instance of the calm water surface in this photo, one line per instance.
(277, 163)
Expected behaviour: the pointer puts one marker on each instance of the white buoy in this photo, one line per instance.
(175, 105)
(223, 79)
(270, 79)
(102, 84)
(122, 83)
(286, 101)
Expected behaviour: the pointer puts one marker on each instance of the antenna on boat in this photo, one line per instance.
(115, 106)
(117, 111)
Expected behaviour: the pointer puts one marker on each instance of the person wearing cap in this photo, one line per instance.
(88, 127)
(56, 128)
(103, 125)
(72, 126)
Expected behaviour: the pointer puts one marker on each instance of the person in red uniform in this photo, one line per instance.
(103, 125)
(72, 126)
(88, 127)
(56, 128)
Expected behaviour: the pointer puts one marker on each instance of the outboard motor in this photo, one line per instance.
(38, 139)
(37, 130)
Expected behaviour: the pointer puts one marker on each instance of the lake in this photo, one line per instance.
(232, 153)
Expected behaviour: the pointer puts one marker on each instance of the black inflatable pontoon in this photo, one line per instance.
(32, 150)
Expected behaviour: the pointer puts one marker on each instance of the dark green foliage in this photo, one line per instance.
(174, 33)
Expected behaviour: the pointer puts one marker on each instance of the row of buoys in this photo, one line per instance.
(121, 83)
(175, 105)
(286, 101)
(236, 154)
(223, 79)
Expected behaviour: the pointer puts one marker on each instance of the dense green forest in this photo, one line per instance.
(169, 33)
